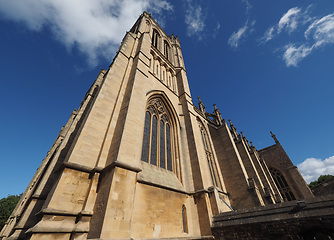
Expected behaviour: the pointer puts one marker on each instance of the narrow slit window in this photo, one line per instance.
(184, 219)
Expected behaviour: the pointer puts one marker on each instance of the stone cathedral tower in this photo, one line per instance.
(138, 160)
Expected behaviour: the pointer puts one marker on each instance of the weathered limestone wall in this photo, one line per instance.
(158, 213)
(232, 168)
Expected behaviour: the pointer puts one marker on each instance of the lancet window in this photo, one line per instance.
(166, 49)
(158, 135)
(155, 38)
(282, 185)
(209, 156)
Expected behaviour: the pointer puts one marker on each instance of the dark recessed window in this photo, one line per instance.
(155, 38)
(166, 49)
(282, 185)
(184, 219)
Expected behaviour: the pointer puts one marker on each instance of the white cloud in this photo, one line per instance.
(268, 35)
(215, 31)
(322, 30)
(319, 34)
(312, 168)
(289, 20)
(248, 5)
(194, 19)
(237, 37)
(95, 27)
(292, 55)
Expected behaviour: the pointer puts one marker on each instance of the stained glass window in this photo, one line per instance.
(157, 138)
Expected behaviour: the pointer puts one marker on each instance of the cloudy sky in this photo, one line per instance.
(269, 66)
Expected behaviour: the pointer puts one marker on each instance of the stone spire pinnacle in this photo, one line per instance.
(245, 140)
(274, 137)
(233, 130)
(201, 105)
(252, 146)
(218, 117)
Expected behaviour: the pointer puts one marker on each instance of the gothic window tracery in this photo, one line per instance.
(209, 156)
(158, 135)
(282, 185)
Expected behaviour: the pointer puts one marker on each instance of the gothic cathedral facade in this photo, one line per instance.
(138, 160)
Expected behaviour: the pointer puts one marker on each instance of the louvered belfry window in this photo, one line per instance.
(157, 138)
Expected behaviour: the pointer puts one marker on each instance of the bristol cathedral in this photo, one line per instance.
(140, 160)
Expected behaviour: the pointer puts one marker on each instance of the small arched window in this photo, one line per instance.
(282, 185)
(184, 219)
(155, 38)
(158, 135)
(209, 156)
(166, 49)
(157, 70)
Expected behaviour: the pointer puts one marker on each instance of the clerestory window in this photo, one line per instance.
(282, 185)
(209, 156)
(157, 139)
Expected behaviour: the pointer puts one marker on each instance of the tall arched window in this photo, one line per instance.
(209, 156)
(166, 49)
(282, 185)
(155, 38)
(158, 135)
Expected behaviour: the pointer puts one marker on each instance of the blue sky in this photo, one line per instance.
(269, 66)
